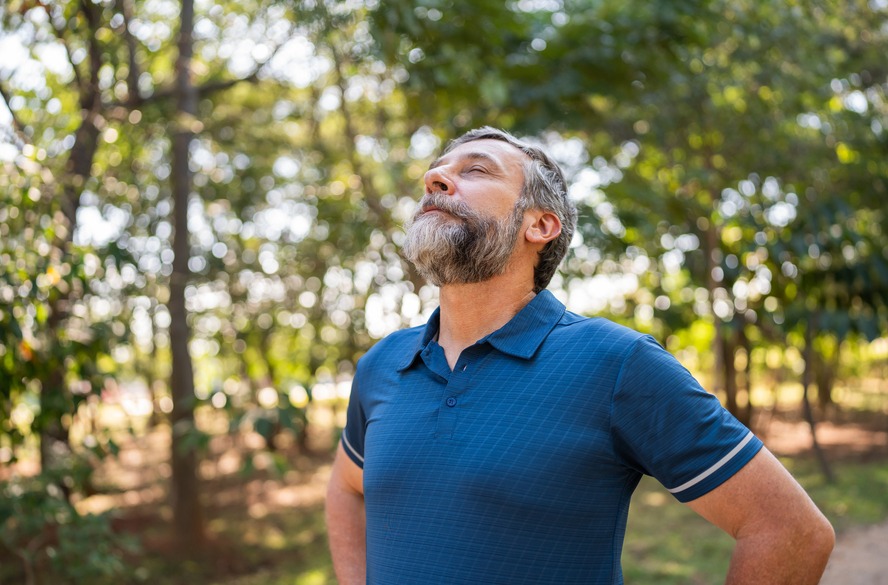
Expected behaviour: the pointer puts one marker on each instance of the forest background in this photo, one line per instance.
(202, 205)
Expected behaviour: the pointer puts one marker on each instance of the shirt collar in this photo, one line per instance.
(429, 333)
(520, 337)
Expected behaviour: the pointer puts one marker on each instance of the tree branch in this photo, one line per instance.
(49, 179)
(17, 127)
(60, 34)
(91, 99)
(372, 197)
(79, 164)
(132, 77)
(206, 88)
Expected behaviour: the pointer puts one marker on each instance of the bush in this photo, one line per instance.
(53, 542)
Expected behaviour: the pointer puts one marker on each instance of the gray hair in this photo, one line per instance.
(544, 189)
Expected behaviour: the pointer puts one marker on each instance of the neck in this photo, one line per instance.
(471, 311)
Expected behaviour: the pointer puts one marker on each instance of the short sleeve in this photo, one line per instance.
(666, 425)
(356, 423)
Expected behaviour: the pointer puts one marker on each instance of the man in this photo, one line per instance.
(501, 442)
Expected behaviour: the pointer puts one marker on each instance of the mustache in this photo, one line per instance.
(444, 203)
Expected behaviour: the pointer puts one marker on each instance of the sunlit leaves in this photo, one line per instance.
(34, 276)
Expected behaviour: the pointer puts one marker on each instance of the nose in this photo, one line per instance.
(437, 181)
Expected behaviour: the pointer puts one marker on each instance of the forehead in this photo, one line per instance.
(495, 152)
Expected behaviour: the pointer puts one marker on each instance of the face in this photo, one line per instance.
(469, 218)
(487, 175)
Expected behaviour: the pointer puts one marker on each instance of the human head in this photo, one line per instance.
(544, 188)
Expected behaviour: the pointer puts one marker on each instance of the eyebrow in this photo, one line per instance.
(470, 156)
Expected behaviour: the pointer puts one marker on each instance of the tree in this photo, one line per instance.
(122, 97)
(187, 509)
(66, 346)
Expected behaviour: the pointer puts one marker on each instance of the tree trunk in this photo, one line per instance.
(826, 376)
(709, 242)
(187, 511)
(730, 375)
(747, 412)
(806, 403)
(54, 399)
(724, 374)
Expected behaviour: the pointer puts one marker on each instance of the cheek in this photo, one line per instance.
(501, 208)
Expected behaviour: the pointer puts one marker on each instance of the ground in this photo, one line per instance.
(860, 558)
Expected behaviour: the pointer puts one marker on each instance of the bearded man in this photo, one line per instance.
(501, 442)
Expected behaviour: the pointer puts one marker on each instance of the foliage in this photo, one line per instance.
(34, 277)
(660, 116)
(53, 542)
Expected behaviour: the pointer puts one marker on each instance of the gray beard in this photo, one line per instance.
(463, 249)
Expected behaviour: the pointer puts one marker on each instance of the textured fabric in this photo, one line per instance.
(518, 465)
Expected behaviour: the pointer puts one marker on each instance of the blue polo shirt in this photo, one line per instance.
(517, 466)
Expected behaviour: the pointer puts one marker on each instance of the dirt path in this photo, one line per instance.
(861, 553)
(860, 558)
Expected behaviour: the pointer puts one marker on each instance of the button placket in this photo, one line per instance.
(457, 384)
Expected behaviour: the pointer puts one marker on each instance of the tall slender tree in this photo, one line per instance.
(187, 509)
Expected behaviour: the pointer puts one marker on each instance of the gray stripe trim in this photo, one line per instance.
(721, 463)
(349, 447)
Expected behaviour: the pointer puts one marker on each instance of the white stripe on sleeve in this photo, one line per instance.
(718, 465)
(349, 447)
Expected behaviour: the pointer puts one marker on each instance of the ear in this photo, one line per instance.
(545, 227)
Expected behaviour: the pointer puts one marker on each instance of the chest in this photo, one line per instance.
(494, 429)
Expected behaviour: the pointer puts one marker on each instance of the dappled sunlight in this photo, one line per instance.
(201, 234)
(309, 494)
(655, 499)
(848, 441)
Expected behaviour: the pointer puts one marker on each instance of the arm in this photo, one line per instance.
(782, 538)
(346, 520)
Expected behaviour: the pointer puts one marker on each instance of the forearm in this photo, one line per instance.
(782, 558)
(346, 523)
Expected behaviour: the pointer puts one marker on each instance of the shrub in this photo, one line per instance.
(53, 542)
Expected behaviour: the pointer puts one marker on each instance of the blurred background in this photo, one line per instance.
(201, 209)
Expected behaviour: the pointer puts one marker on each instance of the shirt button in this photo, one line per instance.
(464, 367)
(451, 401)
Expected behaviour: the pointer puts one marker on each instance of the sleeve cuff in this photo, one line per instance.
(720, 471)
(351, 451)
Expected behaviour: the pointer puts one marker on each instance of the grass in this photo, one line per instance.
(667, 543)
(858, 497)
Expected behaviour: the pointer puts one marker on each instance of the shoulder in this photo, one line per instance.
(393, 349)
(596, 334)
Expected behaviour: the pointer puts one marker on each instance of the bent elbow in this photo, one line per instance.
(825, 537)
(818, 538)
